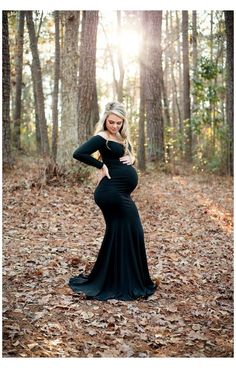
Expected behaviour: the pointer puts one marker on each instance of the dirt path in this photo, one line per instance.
(53, 233)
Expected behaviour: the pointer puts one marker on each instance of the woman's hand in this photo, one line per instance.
(128, 160)
(103, 172)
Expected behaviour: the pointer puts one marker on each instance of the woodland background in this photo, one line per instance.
(173, 70)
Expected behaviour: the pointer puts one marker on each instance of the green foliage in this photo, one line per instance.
(207, 69)
(209, 156)
(207, 118)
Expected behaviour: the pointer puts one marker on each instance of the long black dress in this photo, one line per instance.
(121, 270)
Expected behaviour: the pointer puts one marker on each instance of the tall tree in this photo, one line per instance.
(6, 132)
(180, 82)
(37, 122)
(56, 86)
(18, 66)
(194, 44)
(87, 91)
(229, 23)
(69, 67)
(153, 92)
(142, 109)
(37, 80)
(186, 87)
(194, 63)
(120, 59)
(165, 73)
(172, 72)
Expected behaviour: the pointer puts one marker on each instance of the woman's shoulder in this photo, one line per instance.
(102, 134)
(105, 136)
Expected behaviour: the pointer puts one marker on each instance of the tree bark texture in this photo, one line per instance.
(6, 132)
(37, 80)
(87, 94)
(186, 88)
(69, 68)
(18, 66)
(56, 85)
(229, 23)
(153, 92)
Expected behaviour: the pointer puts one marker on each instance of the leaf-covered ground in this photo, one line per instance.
(55, 232)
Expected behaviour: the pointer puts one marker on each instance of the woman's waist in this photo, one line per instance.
(115, 162)
(112, 162)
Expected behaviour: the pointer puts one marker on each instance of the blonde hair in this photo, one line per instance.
(118, 109)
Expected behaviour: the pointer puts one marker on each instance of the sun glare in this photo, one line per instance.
(130, 41)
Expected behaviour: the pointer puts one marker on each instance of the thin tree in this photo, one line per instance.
(6, 132)
(56, 86)
(37, 80)
(186, 88)
(194, 62)
(165, 75)
(229, 23)
(172, 72)
(180, 83)
(18, 70)
(87, 94)
(37, 123)
(141, 129)
(120, 58)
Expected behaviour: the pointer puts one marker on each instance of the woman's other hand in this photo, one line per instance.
(128, 160)
(103, 172)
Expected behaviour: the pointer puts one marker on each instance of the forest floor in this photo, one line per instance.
(54, 232)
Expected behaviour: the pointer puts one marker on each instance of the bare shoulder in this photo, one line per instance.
(102, 134)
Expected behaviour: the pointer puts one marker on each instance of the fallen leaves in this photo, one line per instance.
(55, 232)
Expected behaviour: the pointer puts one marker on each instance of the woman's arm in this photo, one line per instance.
(83, 152)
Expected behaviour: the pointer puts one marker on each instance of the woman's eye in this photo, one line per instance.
(112, 122)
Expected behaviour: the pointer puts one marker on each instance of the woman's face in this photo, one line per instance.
(113, 123)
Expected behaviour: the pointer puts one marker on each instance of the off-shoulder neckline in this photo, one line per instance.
(110, 140)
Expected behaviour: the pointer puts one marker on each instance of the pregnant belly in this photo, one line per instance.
(113, 195)
(124, 180)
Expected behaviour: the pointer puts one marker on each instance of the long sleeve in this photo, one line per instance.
(83, 152)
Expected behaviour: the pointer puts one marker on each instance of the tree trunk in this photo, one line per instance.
(153, 91)
(194, 38)
(229, 23)
(120, 59)
(211, 85)
(87, 97)
(37, 123)
(6, 132)
(180, 84)
(186, 88)
(165, 74)
(18, 66)
(56, 86)
(69, 67)
(165, 100)
(37, 79)
(172, 69)
(141, 130)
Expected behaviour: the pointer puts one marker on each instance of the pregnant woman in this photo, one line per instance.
(121, 270)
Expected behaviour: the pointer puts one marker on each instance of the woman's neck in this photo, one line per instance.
(115, 136)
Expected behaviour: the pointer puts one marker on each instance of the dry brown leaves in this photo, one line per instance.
(54, 233)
